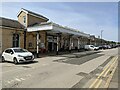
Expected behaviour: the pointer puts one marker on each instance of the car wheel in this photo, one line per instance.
(3, 59)
(15, 61)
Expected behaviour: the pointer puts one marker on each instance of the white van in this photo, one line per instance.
(91, 47)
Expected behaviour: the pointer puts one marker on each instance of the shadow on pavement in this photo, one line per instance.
(24, 63)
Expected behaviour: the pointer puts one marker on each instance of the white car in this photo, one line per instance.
(17, 55)
(96, 48)
(91, 47)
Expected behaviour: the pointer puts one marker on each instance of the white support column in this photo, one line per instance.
(61, 42)
(70, 44)
(57, 44)
(37, 44)
(53, 43)
(78, 43)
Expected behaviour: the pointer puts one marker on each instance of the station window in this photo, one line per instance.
(16, 40)
(24, 19)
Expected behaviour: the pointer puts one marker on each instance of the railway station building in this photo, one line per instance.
(35, 33)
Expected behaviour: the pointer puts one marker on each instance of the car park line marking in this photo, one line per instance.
(8, 82)
(22, 79)
(10, 70)
(24, 68)
(106, 68)
(17, 79)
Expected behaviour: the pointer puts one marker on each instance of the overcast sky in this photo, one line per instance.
(88, 17)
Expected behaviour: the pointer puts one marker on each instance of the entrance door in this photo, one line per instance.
(15, 40)
(49, 46)
(55, 46)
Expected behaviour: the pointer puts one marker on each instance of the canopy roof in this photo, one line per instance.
(56, 28)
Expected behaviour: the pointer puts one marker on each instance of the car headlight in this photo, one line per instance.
(20, 56)
(33, 56)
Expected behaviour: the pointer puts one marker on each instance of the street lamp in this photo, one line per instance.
(101, 36)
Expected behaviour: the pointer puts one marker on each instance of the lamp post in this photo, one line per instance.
(101, 36)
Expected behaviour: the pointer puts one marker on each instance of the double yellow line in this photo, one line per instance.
(98, 80)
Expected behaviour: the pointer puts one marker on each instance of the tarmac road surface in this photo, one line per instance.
(60, 71)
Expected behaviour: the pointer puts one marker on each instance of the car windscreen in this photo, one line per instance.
(20, 50)
(91, 46)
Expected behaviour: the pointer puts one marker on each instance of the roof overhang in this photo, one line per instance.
(22, 10)
(56, 29)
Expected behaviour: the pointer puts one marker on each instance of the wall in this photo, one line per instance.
(31, 38)
(7, 38)
(20, 18)
(32, 20)
(6, 35)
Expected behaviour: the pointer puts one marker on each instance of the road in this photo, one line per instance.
(75, 70)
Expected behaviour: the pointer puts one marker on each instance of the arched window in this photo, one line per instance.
(15, 40)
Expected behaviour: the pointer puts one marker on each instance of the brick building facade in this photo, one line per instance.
(33, 32)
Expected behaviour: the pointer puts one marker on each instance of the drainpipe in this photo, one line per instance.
(78, 44)
(25, 30)
(70, 43)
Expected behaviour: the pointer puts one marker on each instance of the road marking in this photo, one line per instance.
(106, 68)
(17, 79)
(11, 70)
(8, 82)
(110, 78)
(99, 75)
(109, 69)
(98, 84)
(22, 79)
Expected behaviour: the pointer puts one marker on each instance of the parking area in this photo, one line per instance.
(62, 71)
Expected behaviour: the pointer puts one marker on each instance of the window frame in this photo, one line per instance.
(24, 19)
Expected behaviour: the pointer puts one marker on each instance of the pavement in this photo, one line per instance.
(65, 53)
(62, 71)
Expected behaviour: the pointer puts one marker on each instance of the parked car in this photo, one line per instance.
(17, 55)
(105, 47)
(91, 47)
(109, 47)
(100, 47)
(96, 48)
